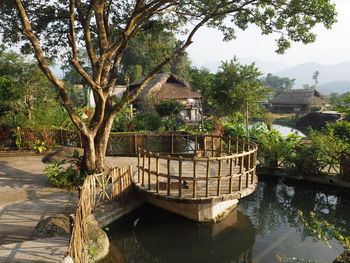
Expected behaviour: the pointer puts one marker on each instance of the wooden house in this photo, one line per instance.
(169, 86)
(298, 101)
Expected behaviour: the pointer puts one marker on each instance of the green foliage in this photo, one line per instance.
(236, 86)
(278, 84)
(168, 108)
(123, 121)
(275, 150)
(39, 146)
(66, 174)
(18, 138)
(147, 122)
(147, 49)
(26, 97)
(339, 129)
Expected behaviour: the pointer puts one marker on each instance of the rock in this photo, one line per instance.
(99, 243)
(62, 154)
(53, 226)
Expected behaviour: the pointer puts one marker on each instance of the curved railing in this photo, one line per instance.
(218, 166)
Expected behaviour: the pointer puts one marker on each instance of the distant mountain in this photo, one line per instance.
(339, 87)
(263, 65)
(328, 73)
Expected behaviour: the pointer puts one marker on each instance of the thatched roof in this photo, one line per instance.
(296, 97)
(168, 86)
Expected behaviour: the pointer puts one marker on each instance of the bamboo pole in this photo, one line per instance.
(180, 177)
(212, 145)
(219, 178)
(172, 143)
(248, 171)
(195, 144)
(220, 146)
(231, 176)
(169, 178)
(149, 170)
(138, 165)
(143, 167)
(207, 179)
(194, 178)
(229, 146)
(241, 173)
(135, 143)
(157, 173)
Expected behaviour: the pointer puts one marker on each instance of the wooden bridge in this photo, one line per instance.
(216, 170)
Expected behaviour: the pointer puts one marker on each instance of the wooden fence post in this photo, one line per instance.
(169, 178)
(207, 179)
(219, 178)
(180, 177)
(194, 177)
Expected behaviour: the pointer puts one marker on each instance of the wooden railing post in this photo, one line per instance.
(194, 177)
(143, 167)
(169, 176)
(149, 170)
(196, 144)
(157, 173)
(138, 165)
(248, 170)
(180, 177)
(231, 176)
(241, 173)
(207, 179)
(219, 178)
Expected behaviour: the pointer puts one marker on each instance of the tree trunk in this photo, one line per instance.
(94, 159)
(88, 163)
(101, 141)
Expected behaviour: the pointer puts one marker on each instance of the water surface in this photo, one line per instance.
(266, 224)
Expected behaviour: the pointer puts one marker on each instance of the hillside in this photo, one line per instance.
(339, 87)
(329, 74)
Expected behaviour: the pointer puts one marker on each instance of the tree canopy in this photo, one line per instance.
(235, 86)
(106, 28)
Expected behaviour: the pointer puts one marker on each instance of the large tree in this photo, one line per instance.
(105, 27)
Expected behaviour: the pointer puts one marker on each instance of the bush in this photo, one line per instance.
(147, 122)
(122, 122)
(65, 173)
(61, 175)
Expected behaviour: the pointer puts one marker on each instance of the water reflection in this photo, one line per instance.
(160, 236)
(266, 224)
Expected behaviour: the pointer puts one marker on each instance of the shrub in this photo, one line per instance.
(147, 122)
(65, 173)
(61, 175)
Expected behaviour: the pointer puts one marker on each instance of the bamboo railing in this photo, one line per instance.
(96, 189)
(219, 165)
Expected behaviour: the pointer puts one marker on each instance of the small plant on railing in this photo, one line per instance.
(66, 173)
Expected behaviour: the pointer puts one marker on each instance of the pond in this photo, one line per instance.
(286, 130)
(266, 224)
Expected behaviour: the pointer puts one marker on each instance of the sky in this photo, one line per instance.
(331, 46)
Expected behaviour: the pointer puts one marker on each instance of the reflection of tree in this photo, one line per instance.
(160, 236)
(273, 205)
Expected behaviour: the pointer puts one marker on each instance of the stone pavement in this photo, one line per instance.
(26, 197)
(39, 250)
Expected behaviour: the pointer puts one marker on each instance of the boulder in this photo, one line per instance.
(61, 154)
(54, 226)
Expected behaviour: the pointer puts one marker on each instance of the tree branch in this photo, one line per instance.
(39, 54)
